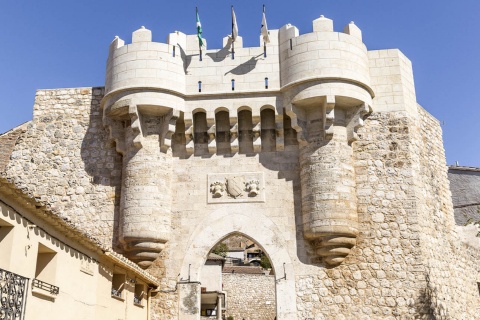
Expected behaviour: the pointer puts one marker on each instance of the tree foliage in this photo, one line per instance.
(265, 262)
(221, 249)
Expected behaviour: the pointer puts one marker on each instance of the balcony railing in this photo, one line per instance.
(12, 295)
(50, 288)
(116, 293)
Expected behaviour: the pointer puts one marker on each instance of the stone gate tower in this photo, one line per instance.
(319, 152)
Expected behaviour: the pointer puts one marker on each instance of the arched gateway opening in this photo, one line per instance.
(252, 224)
(237, 281)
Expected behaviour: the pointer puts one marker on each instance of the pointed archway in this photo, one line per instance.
(254, 224)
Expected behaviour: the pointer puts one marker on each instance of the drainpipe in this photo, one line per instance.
(149, 296)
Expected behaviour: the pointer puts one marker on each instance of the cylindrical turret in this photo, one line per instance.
(141, 104)
(144, 64)
(326, 79)
(329, 202)
(145, 219)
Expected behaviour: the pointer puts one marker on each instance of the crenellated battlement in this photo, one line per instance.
(297, 69)
(176, 66)
(308, 94)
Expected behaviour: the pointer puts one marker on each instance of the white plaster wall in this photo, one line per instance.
(235, 254)
(82, 295)
(211, 275)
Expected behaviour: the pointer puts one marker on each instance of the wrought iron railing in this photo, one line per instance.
(45, 286)
(13, 299)
(116, 292)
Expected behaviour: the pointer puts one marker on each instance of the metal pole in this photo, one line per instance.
(233, 39)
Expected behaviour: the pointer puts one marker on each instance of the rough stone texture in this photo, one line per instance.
(451, 266)
(7, 143)
(64, 160)
(465, 187)
(381, 278)
(396, 269)
(249, 296)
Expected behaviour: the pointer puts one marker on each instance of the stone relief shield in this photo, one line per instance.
(238, 187)
(235, 186)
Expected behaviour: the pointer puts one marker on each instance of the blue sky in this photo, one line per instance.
(58, 44)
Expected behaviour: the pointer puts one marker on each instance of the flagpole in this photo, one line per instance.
(233, 39)
(264, 43)
(199, 44)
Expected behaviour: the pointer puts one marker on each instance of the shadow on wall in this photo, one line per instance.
(245, 67)
(102, 163)
(187, 59)
(220, 56)
(428, 305)
(288, 168)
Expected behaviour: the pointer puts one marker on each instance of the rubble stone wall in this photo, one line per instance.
(7, 143)
(64, 160)
(451, 266)
(250, 296)
(382, 277)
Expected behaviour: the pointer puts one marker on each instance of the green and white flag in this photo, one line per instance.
(234, 26)
(264, 28)
(199, 30)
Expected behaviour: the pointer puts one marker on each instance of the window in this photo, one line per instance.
(45, 272)
(46, 264)
(6, 243)
(139, 294)
(118, 285)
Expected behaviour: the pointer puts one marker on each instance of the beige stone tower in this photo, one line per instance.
(139, 122)
(328, 104)
(317, 151)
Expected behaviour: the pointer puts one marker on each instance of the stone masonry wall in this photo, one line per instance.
(408, 262)
(65, 162)
(465, 187)
(250, 296)
(388, 275)
(382, 277)
(7, 143)
(451, 267)
(191, 214)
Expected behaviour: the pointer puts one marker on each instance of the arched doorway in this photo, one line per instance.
(219, 225)
(238, 281)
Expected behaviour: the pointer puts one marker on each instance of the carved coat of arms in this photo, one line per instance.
(235, 186)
